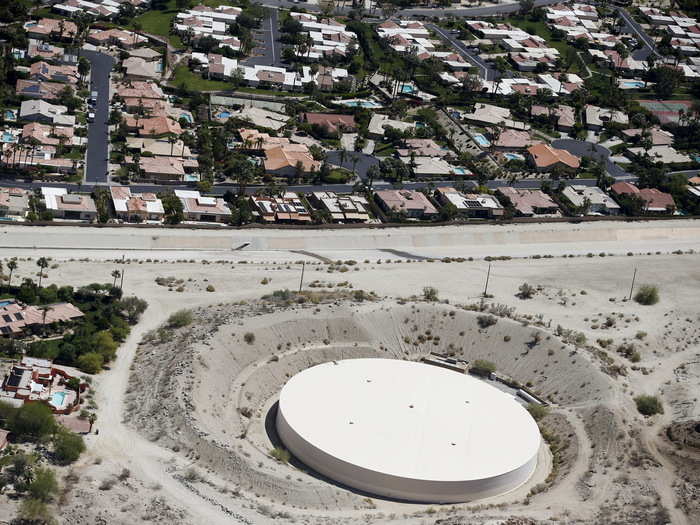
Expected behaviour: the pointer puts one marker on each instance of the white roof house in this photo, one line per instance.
(493, 115)
(600, 202)
(379, 123)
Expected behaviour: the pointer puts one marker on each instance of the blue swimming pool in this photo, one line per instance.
(187, 117)
(10, 114)
(224, 114)
(632, 84)
(461, 171)
(481, 140)
(8, 137)
(58, 399)
(513, 156)
(5, 303)
(407, 88)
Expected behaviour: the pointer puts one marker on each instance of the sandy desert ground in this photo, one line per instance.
(185, 410)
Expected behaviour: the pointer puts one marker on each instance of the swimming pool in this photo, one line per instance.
(10, 114)
(8, 137)
(632, 84)
(481, 140)
(461, 171)
(187, 117)
(5, 303)
(513, 156)
(696, 158)
(407, 88)
(224, 114)
(58, 399)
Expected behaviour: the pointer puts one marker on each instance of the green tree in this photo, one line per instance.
(172, 206)
(42, 263)
(12, 266)
(67, 446)
(482, 367)
(32, 421)
(44, 486)
(35, 512)
(90, 362)
(133, 307)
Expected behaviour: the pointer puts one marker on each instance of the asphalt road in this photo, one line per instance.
(648, 44)
(270, 48)
(582, 148)
(98, 132)
(485, 72)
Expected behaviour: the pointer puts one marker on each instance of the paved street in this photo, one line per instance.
(269, 49)
(634, 27)
(485, 72)
(98, 134)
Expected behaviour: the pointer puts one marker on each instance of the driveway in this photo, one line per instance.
(98, 130)
(269, 50)
(485, 72)
(582, 148)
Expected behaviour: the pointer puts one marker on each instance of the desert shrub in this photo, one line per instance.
(249, 338)
(35, 511)
(281, 454)
(133, 307)
(124, 474)
(649, 405)
(484, 321)
(526, 291)
(647, 295)
(210, 288)
(44, 485)
(537, 411)
(67, 446)
(482, 367)
(430, 293)
(180, 318)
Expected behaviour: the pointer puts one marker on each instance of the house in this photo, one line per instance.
(166, 168)
(488, 115)
(47, 135)
(159, 148)
(14, 202)
(429, 166)
(597, 117)
(136, 68)
(156, 127)
(15, 317)
(423, 148)
(139, 90)
(45, 72)
(546, 158)
(34, 380)
(332, 123)
(51, 29)
(45, 113)
(116, 37)
(379, 123)
(342, 209)
(413, 204)
(262, 118)
(203, 209)
(42, 90)
(287, 159)
(657, 136)
(252, 139)
(664, 154)
(528, 203)
(513, 139)
(146, 53)
(473, 205)
(598, 201)
(286, 208)
(63, 205)
(655, 201)
(44, 50)
(566, 115)
(136, 207)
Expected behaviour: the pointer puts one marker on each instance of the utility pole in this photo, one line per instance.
(301, 281)
(634, 276)
(488, 274)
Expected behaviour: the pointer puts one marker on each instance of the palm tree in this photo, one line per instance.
(12, 266)
(116, 274)
(42, 263)
(44, 308)
(91, 419)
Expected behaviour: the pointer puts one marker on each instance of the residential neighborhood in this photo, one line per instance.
(213, 121)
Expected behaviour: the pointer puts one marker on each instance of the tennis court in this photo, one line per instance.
(666, 110)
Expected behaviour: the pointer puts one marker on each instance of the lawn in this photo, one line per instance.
(194, 82)
(158, 22)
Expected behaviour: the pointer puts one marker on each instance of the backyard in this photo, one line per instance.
(159, 21)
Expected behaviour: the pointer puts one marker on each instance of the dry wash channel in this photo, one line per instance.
(209, 391)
